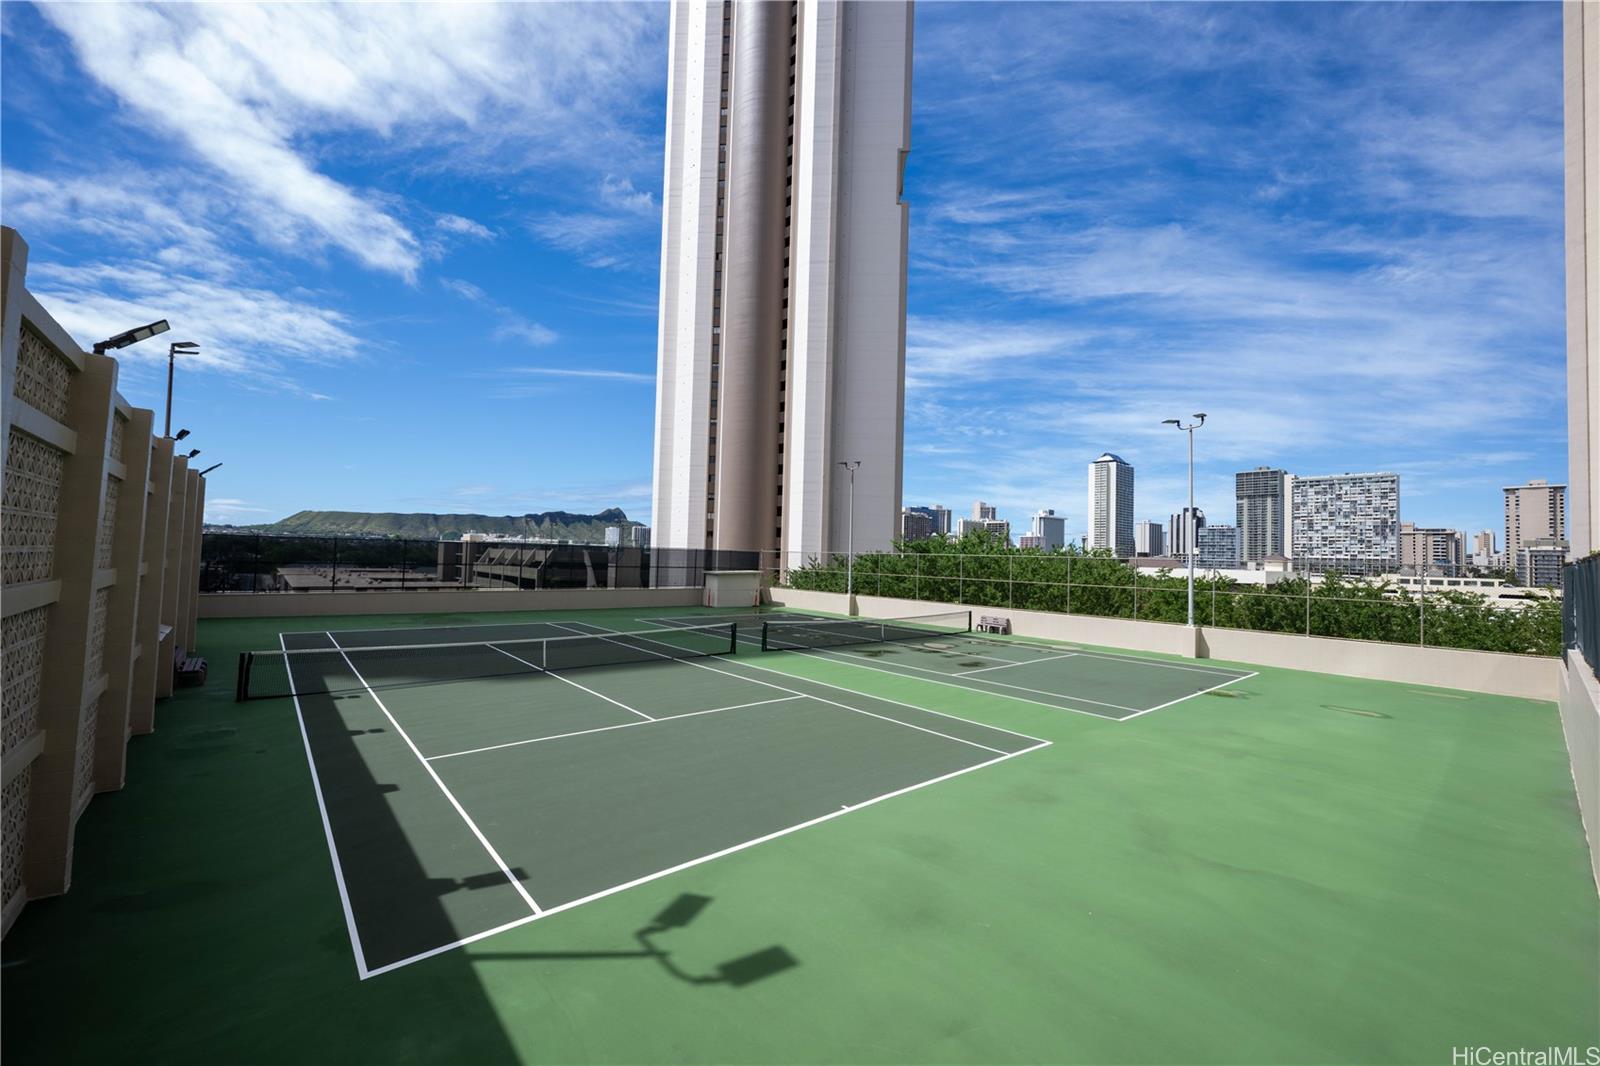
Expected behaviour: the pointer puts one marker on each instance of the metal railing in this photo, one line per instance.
(1580, 609)
(265, 564)
(1332, 604)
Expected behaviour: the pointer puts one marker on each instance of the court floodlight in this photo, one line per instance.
(132, 336)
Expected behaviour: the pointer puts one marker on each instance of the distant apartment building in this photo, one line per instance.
(1181, 529)
(1538, 563)
(639, 536)
(998, 527)
(983, 512)
(1260, 511)
(1217, 547)
(1444, 550)
(915, 525)
(1030, 540)
(1111, 505)
(1148, 539)
(1346, 521)
(1483, 556)
(938, 515)
(1049, 528)
(613, 536)
(1534, 512)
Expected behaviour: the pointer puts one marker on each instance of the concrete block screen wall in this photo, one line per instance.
(99, 521)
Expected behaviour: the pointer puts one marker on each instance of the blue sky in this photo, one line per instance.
(420, 246)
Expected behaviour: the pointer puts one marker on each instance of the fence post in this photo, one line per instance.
(1213, 599)
(1135, 593)
(961, 578)
(1011, 580)
(1422, 610)
(916, 580)
(1308, 603)
(1069, 585)
(333, 571)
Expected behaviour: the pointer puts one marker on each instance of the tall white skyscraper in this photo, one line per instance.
(1111, 505)
(783, 275)
(1148, 538)
(1260, 512)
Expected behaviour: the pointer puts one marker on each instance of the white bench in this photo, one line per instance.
(993, 623)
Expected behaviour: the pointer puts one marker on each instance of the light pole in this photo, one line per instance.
(851, 465)
(1188, 525)
(172, 356)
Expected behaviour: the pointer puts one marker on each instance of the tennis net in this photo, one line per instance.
(335, 669)
(843, 632)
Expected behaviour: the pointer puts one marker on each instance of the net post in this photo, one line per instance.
(764, 631)
(242, 688)
(969, 621)
(733, 638)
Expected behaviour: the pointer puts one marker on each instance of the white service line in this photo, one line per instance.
(465, 817)
(1190, 696)
(840, 657)
(574, 684)
(1020, 662)
(614, 889)
(819, 699)
(327, 827)
(609, 728)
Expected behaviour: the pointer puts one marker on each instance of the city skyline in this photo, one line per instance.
(468, 267)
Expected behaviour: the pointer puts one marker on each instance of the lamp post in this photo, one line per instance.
(1188, 520)
(172, 356)
(851, 465)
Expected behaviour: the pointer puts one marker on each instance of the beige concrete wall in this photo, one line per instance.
(1580, 721)
(318, 604)
(1581, 95)
(75, 644)
(152, 584)
(1527, 676)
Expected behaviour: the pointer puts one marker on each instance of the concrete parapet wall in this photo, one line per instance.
(1580, 721)
(1526, 676)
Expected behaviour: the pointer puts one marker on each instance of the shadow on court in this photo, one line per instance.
(735, 973)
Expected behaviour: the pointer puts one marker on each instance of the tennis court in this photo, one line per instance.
(940, 649)
(472, 779)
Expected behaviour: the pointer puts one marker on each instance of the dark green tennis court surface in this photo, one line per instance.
(468, 793)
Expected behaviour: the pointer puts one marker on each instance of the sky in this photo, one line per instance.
(420, 246)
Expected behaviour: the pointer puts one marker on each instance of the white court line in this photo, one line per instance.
(465, 817)
(914, 707)
(1190, 696)
(1019, 662)
(853, 661)
(573, 683)
(636, 882)
(819, 699)
(416, 629)
(327, 827)
(609, 728)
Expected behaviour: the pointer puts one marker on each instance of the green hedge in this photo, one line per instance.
(980, 570)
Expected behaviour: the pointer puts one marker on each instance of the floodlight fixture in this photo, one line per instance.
(132, 336)
(187, 348)
(192, 453)
(182, 433)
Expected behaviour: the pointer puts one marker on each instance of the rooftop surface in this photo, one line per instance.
(1292, 867)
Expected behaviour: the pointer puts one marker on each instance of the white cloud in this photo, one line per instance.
(252, 90)
(465, 227)
(252, 333)
(513, 326)
(600, 375)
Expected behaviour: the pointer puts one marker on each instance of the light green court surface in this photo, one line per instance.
(1291, 868)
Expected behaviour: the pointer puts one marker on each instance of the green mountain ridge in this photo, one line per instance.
(554, 525)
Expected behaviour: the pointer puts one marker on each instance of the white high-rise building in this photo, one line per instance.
(1342, 521)
(1535, 511)
(1050, 529)
(783, 275)
(1148, 538)
(1111, 505)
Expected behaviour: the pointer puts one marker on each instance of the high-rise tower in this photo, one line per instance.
(1111, 505)
(783, 275)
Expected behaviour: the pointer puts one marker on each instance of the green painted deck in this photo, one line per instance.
(1294, 868)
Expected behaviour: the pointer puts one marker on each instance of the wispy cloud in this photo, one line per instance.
(511, 324)
(599, 375)
(253, 91)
